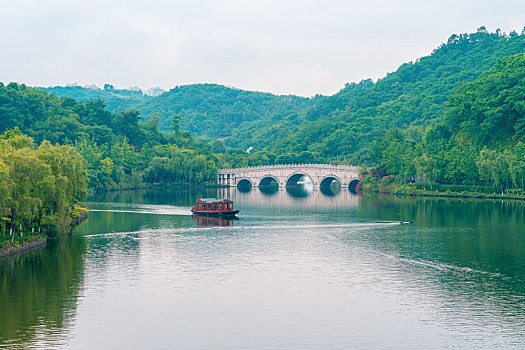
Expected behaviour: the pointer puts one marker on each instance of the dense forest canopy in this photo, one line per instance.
(119, 150)
(339, 128)
(205, 109)
(480, 139)
(447, 118)
(345, 126)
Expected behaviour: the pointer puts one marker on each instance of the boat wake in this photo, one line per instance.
(147, 209)
(164, 231)
(440, 266)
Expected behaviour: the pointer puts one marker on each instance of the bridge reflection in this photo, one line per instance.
(304, 196)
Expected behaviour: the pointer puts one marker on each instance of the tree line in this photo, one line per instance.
(453, 117)
(347, 126)
(38, 187)
(119, 149)
(480, 141)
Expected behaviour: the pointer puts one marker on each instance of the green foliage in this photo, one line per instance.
(118, 148)
(350, 123)
(479, 141)
(116, 100)
(207, 110)
(491, 109)
(37, 186)
(455, 117)
(350, 126)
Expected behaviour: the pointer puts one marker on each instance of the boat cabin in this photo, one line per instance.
(212, 204)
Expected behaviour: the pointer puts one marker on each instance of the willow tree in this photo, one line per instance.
(35, 183)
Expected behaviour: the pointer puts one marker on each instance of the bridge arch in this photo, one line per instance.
(266, 180)
(289, 174)
(330, 185)
(327, 180)
(352, 184)
(244, 185)
(294, 178)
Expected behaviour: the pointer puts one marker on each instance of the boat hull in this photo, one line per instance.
(225, 213)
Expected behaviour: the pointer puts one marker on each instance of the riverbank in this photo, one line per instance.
(78, 214)
(24, 248)
(31, 241)
(388, 185)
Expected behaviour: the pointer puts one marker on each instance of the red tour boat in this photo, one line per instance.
(214, 207)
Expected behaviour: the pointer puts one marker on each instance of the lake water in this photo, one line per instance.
(295, 271)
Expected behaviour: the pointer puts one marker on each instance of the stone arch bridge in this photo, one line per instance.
(290, 175)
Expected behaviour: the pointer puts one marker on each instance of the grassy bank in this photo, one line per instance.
(389, 184)
(26, 235)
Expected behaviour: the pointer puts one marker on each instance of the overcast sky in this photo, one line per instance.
(301, 47)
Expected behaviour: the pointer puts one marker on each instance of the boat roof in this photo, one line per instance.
(213, 200)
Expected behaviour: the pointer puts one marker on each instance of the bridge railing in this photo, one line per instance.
(285, 166)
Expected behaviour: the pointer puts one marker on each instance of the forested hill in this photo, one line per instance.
(115, 100)
(345, 126)
(215, 110)
(118, 149)
(342, 127)
(204, 109)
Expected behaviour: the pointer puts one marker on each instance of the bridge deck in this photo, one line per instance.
(282, 173)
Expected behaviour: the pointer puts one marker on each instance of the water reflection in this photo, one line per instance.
(299, 186)
(210, 221)
(39, 293)
(299, 191)
(293, 198)
(144, 273)
(269, 186)
(244, 189)
(269, 190)
(332, 189)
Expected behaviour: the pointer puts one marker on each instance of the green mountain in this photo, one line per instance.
(207, 110)
(479, 141)
(116, 100)
(341, 127)
(453, 117)
(347, 124)
(119, 150)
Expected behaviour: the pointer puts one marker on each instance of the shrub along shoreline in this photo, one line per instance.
(32, 240)
(389, 185)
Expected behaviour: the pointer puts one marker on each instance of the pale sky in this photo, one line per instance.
(296, 47)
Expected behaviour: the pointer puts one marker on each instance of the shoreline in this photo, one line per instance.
(28, 247)
(416, 193)
(473, 195)
(25, 248)
(78, 220)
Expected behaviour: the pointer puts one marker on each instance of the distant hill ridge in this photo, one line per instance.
(345, 125)
(348, 123)
(210, 110)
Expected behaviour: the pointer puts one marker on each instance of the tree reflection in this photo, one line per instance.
(39, 290)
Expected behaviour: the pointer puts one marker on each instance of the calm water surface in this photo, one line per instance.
(296, 271)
